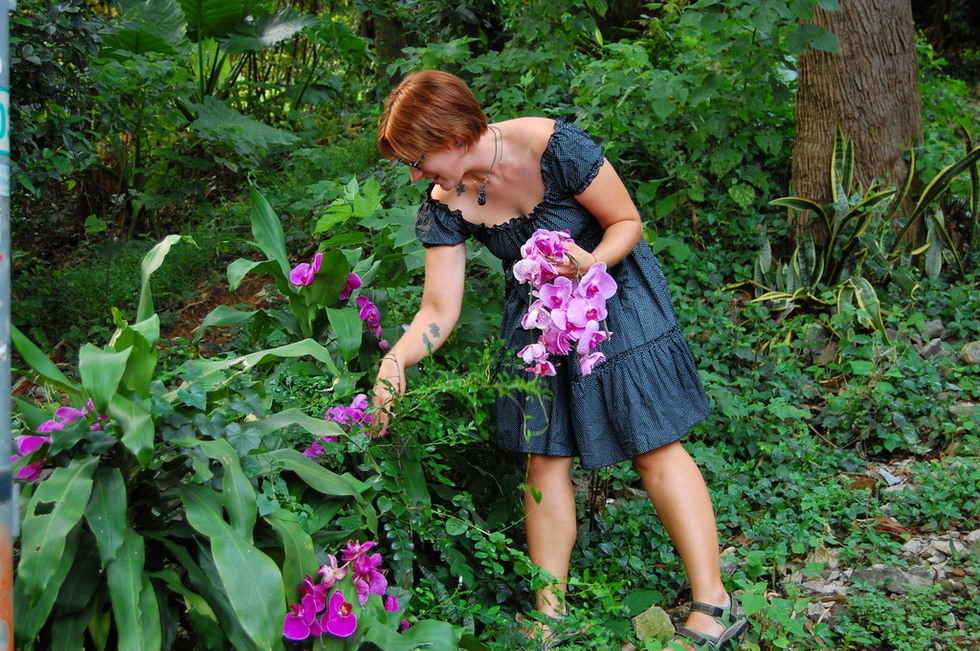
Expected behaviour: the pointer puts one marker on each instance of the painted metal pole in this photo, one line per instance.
(7, 511)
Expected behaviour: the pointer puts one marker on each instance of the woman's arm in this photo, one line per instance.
(442, 299)
(609, 202)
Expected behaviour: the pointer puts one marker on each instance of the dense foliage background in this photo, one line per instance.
(247, 129)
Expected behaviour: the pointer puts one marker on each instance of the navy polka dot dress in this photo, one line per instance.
(647, 393)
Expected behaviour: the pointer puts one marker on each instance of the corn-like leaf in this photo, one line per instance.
(55, 509)
(349, 330)
(251, 580)
(137, 427)
(134, 601)
(299, 556)
(268, 233)
(102, 371)
(106, 513)
(40, 363)
(31, 615)
(237, 493)
(939, 228)
(151, 262)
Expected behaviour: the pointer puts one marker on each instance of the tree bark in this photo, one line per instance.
(870, 89)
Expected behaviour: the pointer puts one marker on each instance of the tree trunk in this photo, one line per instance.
(870, 89)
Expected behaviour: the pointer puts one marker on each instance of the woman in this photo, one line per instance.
(499, 183)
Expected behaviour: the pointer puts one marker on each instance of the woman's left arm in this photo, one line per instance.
(610, 203)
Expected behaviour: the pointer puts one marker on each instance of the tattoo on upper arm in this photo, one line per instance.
(426, 342)
(434, 330)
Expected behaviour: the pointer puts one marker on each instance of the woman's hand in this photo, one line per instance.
(583, 258)
(388, 386)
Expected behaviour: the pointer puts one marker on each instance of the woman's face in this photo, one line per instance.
(441, 165)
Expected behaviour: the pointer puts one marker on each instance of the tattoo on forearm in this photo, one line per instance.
(434, 331)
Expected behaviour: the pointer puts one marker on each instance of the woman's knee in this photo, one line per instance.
(543, 469)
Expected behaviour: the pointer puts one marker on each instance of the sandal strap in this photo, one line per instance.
(709, 609)
(700, 640)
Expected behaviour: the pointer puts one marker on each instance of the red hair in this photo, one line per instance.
(428, 110)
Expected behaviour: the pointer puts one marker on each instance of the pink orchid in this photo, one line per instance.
(353, 282)
(30, 472)
(331, 573)
(547, 244)
(538, 317)
(391, 604)
(582, 310)
(368, 579)
(597, 281)
(300, 619)
(303, 273)
(339, 620)
(28, 443)
(588, 362)
(354, 550)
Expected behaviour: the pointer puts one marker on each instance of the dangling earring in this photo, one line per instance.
(460, 188)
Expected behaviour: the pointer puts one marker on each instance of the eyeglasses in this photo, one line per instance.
(417, 163)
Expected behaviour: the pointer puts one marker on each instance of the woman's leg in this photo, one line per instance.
(681, 498)
(551, 525)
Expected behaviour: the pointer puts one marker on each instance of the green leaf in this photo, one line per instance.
(868, 301)
(106, 512)
(299, 555)
(315, 475)
(268, 233)
(349, 330)
(101, 372)
(267, 31)
(221, 316)
(251, 580)
(55, 509)
(204, 621)
(281, 420)
(150, 26)
(237, 493)
(39, 362)
(30, 615)
(134, 602)
(298, 349)
(151, 262)
(137, 427)
(217, 121)
(214, 18)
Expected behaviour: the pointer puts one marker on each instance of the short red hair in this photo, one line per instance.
(427, 110)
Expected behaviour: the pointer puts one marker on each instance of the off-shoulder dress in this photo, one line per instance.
(647, 393)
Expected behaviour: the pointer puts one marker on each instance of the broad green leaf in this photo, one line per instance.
(30, 615)
(134, 603)
(267, 31)
(414, 478)
(150, 26)
(251, 579)
(55, 510)
(151, 262)
(137, 427)
(214, 18)
(348, 329)
(241, 267)
(204, 621)
(106, 513)
(298, 349)
(40, 363)
(299, 555)
(315, 475)
(217, 121)
(101, 371)
(283, 419)
(237, 493)
(268, 233)
(223, 315)
(68, 631)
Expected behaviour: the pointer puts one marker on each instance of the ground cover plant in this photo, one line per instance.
(186, 463)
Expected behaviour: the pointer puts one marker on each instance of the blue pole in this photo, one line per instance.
(7, 512)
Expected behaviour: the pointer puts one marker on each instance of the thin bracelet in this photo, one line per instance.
(595, 260)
